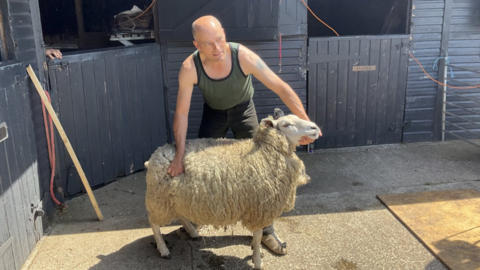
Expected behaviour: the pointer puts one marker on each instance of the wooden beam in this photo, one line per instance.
(447, 17)
(80, 23)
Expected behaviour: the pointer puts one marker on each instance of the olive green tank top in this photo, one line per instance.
(224, 93)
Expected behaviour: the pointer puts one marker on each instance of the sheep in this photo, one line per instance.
(225, 181)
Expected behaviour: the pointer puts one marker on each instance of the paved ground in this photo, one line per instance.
(338, 223)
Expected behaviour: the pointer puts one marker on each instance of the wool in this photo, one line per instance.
(225, 181)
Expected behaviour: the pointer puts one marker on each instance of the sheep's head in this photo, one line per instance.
(293, 127)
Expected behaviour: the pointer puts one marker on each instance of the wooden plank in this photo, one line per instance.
(312, 84)
(154, 107)
(24, 180)
(15, 177)
(6, 194)
(446, 222)
(401, 89)
(104, 123)
(360, 138)
(30, 159)
(81, 128)
(161, 96)
(144, 98)
(321, 93)
(135, 113)
(383, 78)
(342, 91)
(391, 126)
(115, 111)
(372, 92)
(352, 92)
(127, 141)
(332, 88)
(437, 128)
(94, 147)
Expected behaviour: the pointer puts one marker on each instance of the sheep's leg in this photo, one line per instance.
(189, 228)
(256, 245)
(162, 248)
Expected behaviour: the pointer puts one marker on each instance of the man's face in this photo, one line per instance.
(211, 42)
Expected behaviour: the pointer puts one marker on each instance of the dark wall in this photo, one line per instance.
(59, 17)
(358, 17)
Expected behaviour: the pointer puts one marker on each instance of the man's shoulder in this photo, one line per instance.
(188, 68)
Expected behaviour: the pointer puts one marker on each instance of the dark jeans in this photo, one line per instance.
(242, 119)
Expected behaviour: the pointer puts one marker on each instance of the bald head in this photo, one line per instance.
(205, 24)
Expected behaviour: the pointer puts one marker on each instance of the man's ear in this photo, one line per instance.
(267, 122)
(195, 44)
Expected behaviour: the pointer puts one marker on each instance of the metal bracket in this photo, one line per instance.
(3, 131)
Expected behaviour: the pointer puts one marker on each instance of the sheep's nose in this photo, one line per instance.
(315, 127)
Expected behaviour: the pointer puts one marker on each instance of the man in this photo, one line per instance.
(223, 73)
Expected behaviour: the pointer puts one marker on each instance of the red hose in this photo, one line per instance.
(51, 149)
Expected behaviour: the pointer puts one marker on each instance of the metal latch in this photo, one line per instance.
(3, 131)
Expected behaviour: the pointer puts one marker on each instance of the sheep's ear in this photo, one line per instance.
(267, 122)
(278, 113)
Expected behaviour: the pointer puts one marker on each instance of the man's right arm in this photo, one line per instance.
(186, 78)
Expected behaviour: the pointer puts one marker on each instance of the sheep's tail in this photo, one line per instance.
(146, 164)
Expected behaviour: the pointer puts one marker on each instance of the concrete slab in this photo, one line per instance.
(338, 223)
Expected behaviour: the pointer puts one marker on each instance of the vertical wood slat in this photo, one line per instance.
(104, 122)
(115, 111)
(401, 92)
(125, 113)
(332, 86)
(322, 80)
(94, 148)
(360, 138)
(135, 113)
(342, 88)
(153, 104)
(145, 121)
(372, 92)
(80, 122)
(390, 116)
(383, 71)
(352, 93)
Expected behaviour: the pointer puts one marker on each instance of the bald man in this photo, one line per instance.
(223, 72)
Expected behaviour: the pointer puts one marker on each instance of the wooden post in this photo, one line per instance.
(62, 133)
(80, 23)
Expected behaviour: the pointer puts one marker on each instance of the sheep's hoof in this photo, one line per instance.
(168, 257)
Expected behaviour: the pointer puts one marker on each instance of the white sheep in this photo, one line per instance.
(225, 181)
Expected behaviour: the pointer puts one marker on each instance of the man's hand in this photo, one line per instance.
(52, 53)
(176, 167)
(306, 140)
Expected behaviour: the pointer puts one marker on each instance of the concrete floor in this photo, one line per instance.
(338, 222)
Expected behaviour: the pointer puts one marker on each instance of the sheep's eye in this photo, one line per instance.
(286, 125)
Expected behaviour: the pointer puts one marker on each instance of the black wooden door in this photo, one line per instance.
(20, 225)
(356, 89)
(111, 105)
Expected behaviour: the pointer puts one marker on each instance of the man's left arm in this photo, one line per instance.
(253, 64)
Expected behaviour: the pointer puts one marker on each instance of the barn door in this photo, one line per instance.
(20, 198)
(356, 89)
